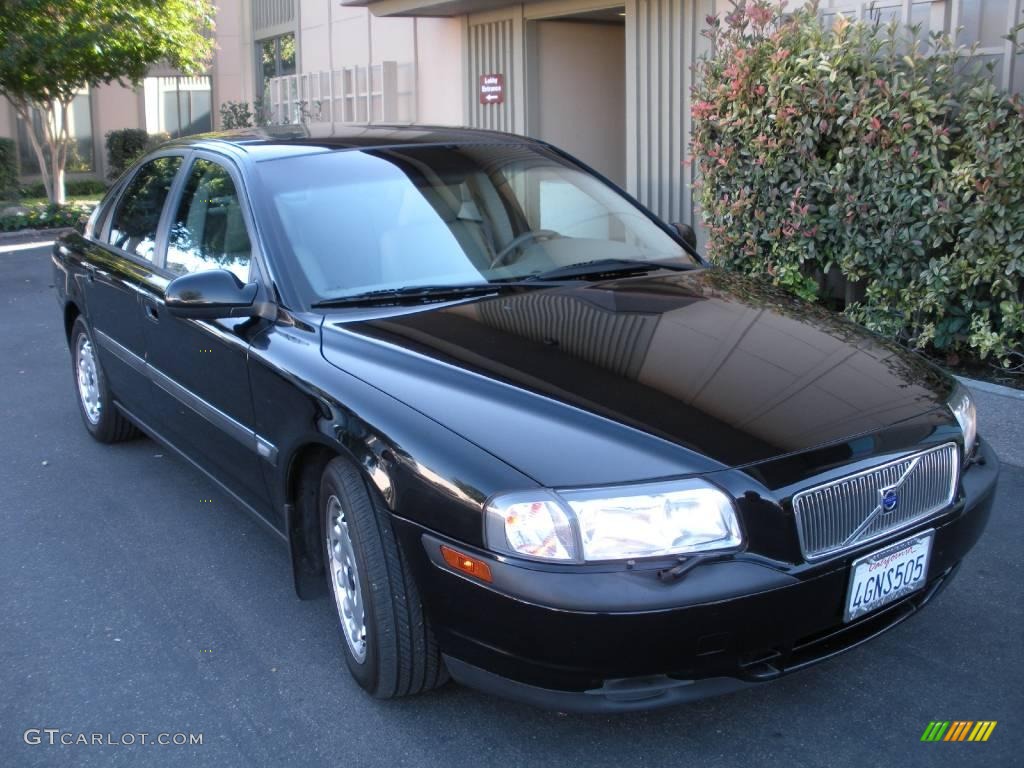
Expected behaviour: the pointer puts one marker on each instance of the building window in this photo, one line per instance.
(275, 57)
(179, 106)
(80, 154)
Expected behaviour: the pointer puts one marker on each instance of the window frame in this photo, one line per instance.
(154, 129)
(258, 269)
(177, 193)
(276, 39)
(33, 171)
(102, 235)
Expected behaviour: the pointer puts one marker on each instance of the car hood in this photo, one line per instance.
(636, 378)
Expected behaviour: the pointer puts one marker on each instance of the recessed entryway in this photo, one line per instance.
(576, 86)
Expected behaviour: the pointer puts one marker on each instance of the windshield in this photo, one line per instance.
(358, 222)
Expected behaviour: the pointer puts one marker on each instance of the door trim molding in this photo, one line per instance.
(214, 415)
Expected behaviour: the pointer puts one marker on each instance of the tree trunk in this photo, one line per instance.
(25, 113)
(57, 176)
(57, 137)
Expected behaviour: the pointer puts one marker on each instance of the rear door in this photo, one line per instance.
(200, 367)
(120, 265)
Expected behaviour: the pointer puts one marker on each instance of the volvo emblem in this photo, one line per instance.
(890, 500)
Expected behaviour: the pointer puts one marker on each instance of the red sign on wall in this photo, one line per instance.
(492, 89)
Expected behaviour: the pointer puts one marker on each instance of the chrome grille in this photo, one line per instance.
(849, 511)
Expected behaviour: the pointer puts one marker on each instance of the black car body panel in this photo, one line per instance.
(443, 405)
(720, 369)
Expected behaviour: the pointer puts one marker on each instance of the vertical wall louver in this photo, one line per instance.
(495, 47)
(269, 16)
(662, 44)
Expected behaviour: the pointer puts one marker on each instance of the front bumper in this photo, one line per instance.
(623, 639)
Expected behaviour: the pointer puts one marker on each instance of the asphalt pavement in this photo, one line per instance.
(129, 605)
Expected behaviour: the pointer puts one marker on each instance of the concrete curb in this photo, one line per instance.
(993, 389)
(8, 238)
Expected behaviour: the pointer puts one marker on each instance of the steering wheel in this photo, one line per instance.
(501, 257)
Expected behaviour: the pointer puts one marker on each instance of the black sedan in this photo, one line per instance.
(510, 421)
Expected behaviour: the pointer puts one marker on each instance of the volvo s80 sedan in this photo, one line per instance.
(512, 424)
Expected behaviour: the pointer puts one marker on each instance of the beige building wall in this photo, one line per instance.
(113, 107)
(440, 85)
(232, 79)
(428, 53)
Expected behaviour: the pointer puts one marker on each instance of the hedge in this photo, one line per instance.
(127, 145)
(72, 187)
(45, 216)
(862, 150)
(8, 169)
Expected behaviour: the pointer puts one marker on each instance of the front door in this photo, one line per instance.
(200, 367)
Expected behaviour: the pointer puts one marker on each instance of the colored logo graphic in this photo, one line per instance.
(890, 499)
(958, 730)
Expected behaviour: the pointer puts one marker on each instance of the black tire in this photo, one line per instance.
(401, 654)
(110, 426)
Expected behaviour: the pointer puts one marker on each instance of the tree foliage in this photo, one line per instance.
(51, 49)
(868, 150)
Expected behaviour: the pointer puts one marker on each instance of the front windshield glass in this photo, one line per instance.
(357, 222)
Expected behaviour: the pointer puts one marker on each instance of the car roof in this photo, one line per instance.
(285, 140)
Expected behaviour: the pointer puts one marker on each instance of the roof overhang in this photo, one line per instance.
(428, 7)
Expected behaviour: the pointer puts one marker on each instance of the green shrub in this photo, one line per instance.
(72, 187)
(127, 145)
(8, 169)
(124, 147)
(45, 216)
(35, 189)
(77, 187)
(235, 114)
(856, 149)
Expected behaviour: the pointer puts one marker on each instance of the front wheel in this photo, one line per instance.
(388, 644)
(104, 422)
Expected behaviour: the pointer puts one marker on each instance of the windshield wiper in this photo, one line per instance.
(554, 277)
(409, 293)
(607, 267)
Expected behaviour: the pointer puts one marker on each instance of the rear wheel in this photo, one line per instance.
(102, 419)
(388, 643)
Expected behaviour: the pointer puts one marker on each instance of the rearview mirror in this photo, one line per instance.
(687, 234)
(211, 294)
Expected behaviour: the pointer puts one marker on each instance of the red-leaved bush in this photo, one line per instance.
(860, 148)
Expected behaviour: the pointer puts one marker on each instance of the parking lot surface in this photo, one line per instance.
(128, 605)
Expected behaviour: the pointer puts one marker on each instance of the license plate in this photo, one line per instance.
(888, 574)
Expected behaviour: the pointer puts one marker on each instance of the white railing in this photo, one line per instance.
(357, 94)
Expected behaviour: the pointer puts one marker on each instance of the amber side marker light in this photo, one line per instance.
(466, 564)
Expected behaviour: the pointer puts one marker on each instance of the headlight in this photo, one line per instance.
(623, 523)
(962, 406)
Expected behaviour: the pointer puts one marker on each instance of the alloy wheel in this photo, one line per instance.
(87, 376)
(345, 579)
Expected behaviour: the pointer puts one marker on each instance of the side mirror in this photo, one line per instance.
(687, 234)
(211, 294)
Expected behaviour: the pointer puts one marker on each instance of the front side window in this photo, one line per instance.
(208, 231)
(137, 215)
(357, 222)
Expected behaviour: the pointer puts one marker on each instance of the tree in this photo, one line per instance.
(51, 49)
